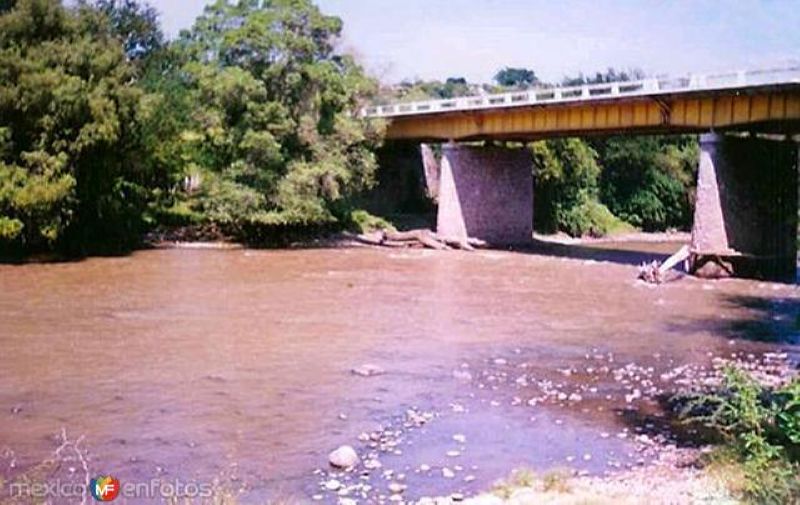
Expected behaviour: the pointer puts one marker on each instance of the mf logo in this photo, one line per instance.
(104, 488)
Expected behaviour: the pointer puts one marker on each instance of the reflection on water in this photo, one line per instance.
(199, 363)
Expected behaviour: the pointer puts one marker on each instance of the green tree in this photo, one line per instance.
(135, 24)
(610, 75)
(68, 114)
(649, 181)
(566, 176)
(408, 91)
(271, 135)
(511, 77)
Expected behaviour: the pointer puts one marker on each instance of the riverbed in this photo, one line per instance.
(235, 366)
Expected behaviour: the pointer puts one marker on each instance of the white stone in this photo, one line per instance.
(368, 370)
(396, 487)
(343, 457)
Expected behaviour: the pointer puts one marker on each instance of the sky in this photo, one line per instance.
(436, 39)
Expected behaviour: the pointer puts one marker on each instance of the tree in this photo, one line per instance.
(648, 181)
(610, 75)
(511, 77)
(135, 24)
(271, 135)
(68, 115)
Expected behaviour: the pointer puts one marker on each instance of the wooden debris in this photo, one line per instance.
(655, 272)
(418, 238)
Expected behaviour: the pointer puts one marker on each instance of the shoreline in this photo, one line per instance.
(350, 239)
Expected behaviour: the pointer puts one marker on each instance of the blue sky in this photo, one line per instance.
(398, 39)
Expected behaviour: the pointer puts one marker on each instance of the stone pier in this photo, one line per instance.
(486, 193)
(745, 221)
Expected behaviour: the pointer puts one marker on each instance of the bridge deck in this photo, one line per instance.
(768, 99)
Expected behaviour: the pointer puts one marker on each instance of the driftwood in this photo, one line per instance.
(418, 238)
(655, 272)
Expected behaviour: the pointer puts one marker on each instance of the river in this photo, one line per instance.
(235, 365)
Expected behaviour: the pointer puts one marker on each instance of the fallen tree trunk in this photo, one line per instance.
(424, 237)
(418, 238)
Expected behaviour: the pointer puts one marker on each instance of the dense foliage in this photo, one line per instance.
(761, 427)
(245, 121)
(566, 196)
(267, 137)
(512, 77)
(648, 181)
(69, 110)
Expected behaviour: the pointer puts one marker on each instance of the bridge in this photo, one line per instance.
(745, 220)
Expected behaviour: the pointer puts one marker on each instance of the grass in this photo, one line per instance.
(555, 481)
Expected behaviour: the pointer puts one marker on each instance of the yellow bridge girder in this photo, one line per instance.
(774, 109)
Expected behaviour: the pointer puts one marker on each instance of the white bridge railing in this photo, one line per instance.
(645, 87)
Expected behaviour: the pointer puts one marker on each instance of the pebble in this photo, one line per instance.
(372, 464)
(396, 487)
(462, 375)
(447, 473)
(453, 454)
(458, 437)
(368, 370)
(333, 485)
(343, 457)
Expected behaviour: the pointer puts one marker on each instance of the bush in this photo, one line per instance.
(591, 218)
(761, 429)
(362, 221)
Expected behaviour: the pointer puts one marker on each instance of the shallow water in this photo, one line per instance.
(235, 365)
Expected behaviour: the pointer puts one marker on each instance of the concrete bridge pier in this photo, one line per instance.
(745, 221)
(486, 193)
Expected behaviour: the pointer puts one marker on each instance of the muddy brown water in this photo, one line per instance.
(235, 365)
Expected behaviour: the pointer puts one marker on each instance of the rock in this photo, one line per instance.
(333, 485)
(368, 370)
(447, 473)
(458, 437)
(372, 464)
(488, 499)
(462, 375)
(343, 457)
(453, 454)
(396, 487)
